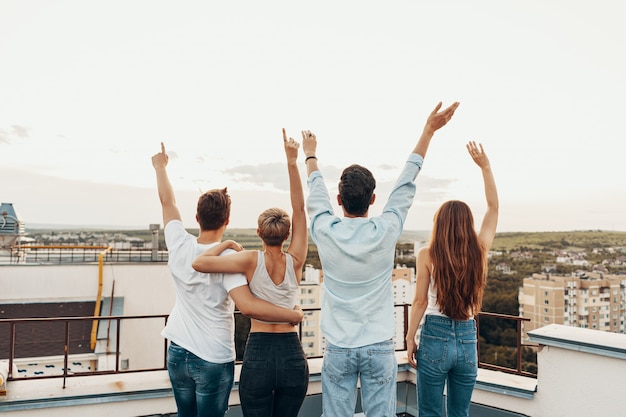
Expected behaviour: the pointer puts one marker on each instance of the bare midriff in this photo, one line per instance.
(261, 327)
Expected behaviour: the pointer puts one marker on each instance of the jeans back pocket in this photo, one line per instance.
(432, 348)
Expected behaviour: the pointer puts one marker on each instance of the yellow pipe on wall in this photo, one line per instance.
(96, 313)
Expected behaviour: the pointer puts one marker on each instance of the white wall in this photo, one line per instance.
(581, 374)
(146, 288)
(573, 383)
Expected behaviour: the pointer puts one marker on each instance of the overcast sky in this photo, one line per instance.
(89, 89)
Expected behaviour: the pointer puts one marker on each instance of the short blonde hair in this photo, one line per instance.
(274, 224)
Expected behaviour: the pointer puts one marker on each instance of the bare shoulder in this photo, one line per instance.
(424, 251)
(252, 256)
(423, 257)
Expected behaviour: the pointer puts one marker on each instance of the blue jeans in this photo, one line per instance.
(274, 375)
(201, 388)
(446, 354)
(375, 365)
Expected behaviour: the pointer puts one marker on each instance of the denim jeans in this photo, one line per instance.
(377, 368)
(446, 355)
(274, 375)
(201, 388)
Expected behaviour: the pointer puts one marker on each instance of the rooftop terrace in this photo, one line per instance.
(581, 374)
(580, 371)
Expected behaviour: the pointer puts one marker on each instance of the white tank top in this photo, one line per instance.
(262, 286)
(433, 308)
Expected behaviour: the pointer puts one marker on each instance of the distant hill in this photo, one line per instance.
(415, 236)
(580, 239)
(560, 240)
(504, 241)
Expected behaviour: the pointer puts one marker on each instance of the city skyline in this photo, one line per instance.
(91, 89)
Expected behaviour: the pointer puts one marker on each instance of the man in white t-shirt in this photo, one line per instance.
(200, 328)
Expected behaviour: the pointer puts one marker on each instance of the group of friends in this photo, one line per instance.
(357, 253)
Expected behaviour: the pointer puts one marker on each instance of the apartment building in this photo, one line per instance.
(310, 300)
(588, 300)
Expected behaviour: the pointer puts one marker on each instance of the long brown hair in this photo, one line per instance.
(459, 261)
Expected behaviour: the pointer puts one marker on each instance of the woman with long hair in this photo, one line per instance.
(451, 277)
(275, 374)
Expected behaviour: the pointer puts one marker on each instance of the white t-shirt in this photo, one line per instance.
(202, 318)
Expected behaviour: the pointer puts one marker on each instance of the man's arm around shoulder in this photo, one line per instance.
(255, 308)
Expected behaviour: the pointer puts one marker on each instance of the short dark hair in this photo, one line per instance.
(356, 188)
(213, 209)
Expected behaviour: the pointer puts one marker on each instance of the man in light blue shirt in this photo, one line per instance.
(357, 255)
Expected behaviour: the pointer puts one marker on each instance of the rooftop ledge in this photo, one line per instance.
(582, 340)
(140, 386)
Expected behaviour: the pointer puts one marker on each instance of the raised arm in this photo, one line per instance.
(299, 242)
(436, 120)
(240, 262)
(164, 187)
(309, 147)
(490, 220)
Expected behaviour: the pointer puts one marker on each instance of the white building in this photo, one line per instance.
(310, 299)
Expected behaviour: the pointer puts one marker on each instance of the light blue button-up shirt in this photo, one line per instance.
(357, 256)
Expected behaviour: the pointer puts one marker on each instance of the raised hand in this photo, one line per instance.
(309, 143)
(291, 148)
(160, 159)
(437, 119)
(478, 154)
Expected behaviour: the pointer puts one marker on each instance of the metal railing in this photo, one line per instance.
(519, 346)
(71, 253)
(67, 321)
